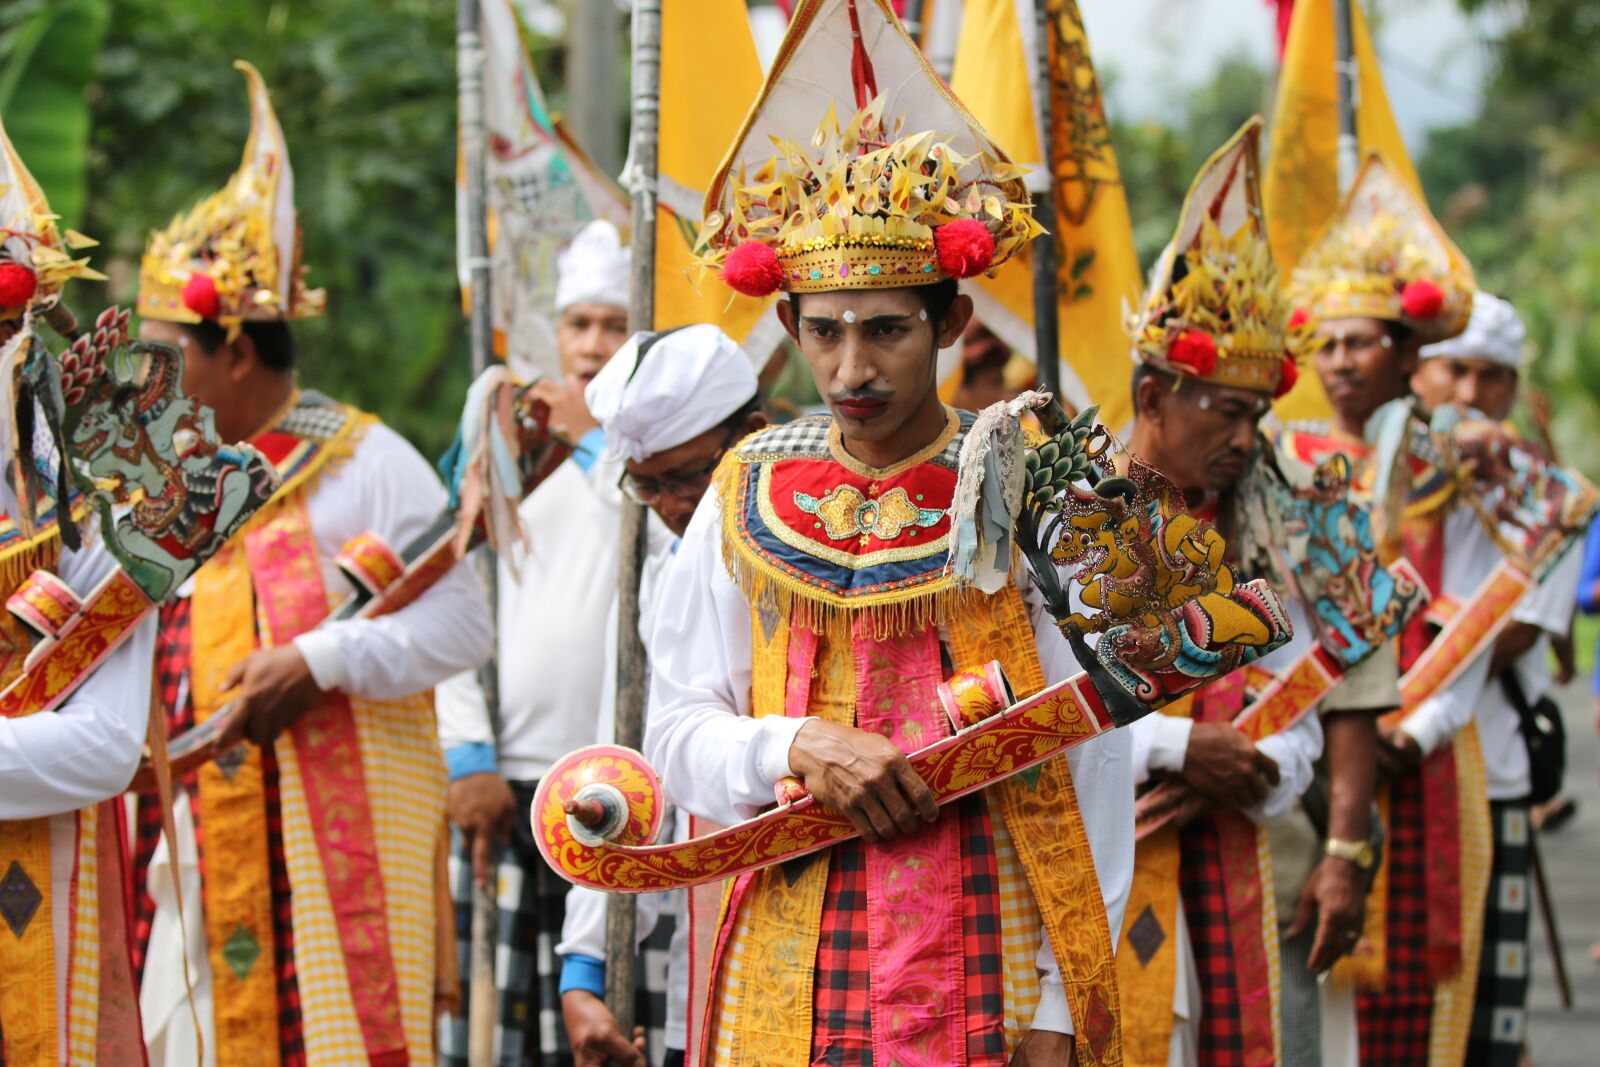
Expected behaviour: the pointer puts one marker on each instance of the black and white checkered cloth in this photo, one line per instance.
(532, 900)
(1499, 1013)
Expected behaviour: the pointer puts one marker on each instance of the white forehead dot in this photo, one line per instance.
(849, 317)
(923, 314)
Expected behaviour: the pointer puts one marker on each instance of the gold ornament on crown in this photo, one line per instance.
(244, 239)
(858, 207)
(1385, 257)
(31, 239)
(1223, 286)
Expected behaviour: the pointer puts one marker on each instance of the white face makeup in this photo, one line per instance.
(849, 318)
(923, 314)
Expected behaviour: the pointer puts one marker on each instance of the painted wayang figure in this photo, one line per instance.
(812, 618)
(310, 853)
(1482, 520)
(107, 505)
(1254, 818)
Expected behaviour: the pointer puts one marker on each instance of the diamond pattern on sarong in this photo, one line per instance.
(1146, 935)
(19, 899)
(1099, 1023)
(230, 761)
(241, 951)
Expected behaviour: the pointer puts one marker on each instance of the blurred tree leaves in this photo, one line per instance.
(1519, 189)
(1159, 159)
(47, 48)
(367, 98)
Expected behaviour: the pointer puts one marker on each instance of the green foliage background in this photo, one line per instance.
(135, 103)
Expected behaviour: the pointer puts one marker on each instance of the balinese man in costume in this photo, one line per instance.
(552, 668)
(1379, 283)
(671, 405)
(1479, 371)
(1203, 975)
(808, 632)
(66, 991)
(307, 856)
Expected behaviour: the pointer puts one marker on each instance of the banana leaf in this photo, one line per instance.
(47, 60)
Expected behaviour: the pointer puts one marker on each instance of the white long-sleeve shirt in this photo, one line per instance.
(388, 488)
(1549, 606)
(1470, 556)
(1161, 742)
(718, 762)
(554, 612)
(86, 751)
(52, 764)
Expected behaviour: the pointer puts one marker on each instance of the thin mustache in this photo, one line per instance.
(862, 394)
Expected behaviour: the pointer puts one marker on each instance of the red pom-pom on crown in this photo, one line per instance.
(1287, 376)
(964, 248)
(1299, 318)
(1194, 349)
(753, 269)
(200, 296)
(17, 285)
(1421, 299)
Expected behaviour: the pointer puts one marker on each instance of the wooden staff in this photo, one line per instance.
(1046, 327)
(483, 1001)
(632, 668)
(1547, 913)
(1344, 66)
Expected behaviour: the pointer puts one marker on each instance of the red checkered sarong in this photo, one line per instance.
(173, 644)
(1205, 910)
(841, 1031)
(1393, 1021)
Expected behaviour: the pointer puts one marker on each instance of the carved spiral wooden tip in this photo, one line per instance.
(588, 812)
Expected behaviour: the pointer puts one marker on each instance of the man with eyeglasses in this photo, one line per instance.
(671, 404)
(1232, 873)
(554, 606)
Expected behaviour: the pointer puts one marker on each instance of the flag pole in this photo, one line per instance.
(912, 20)
(1046, 328)
(482, 1005)
(1345, 79)
(632, 668)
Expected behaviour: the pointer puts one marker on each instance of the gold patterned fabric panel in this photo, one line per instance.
(1042, 816)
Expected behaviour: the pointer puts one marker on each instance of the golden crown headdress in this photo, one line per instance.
(1385, 257)
(877, 202)
(1214, 309)
(35, 255)
(235, 257)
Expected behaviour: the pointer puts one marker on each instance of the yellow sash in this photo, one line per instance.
(238, 895)
(28, 1018)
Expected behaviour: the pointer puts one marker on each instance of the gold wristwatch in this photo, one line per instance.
(1357, 852)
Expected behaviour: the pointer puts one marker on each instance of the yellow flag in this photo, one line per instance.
(710, 76)
(1301, 188)
(1099, 268)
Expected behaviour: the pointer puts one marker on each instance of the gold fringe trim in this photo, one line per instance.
(41, 551)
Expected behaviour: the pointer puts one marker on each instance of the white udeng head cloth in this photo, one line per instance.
(1494, 332)
(685, 383)
(594, 269)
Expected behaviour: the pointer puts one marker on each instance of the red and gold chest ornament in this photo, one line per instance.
(808, 527)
